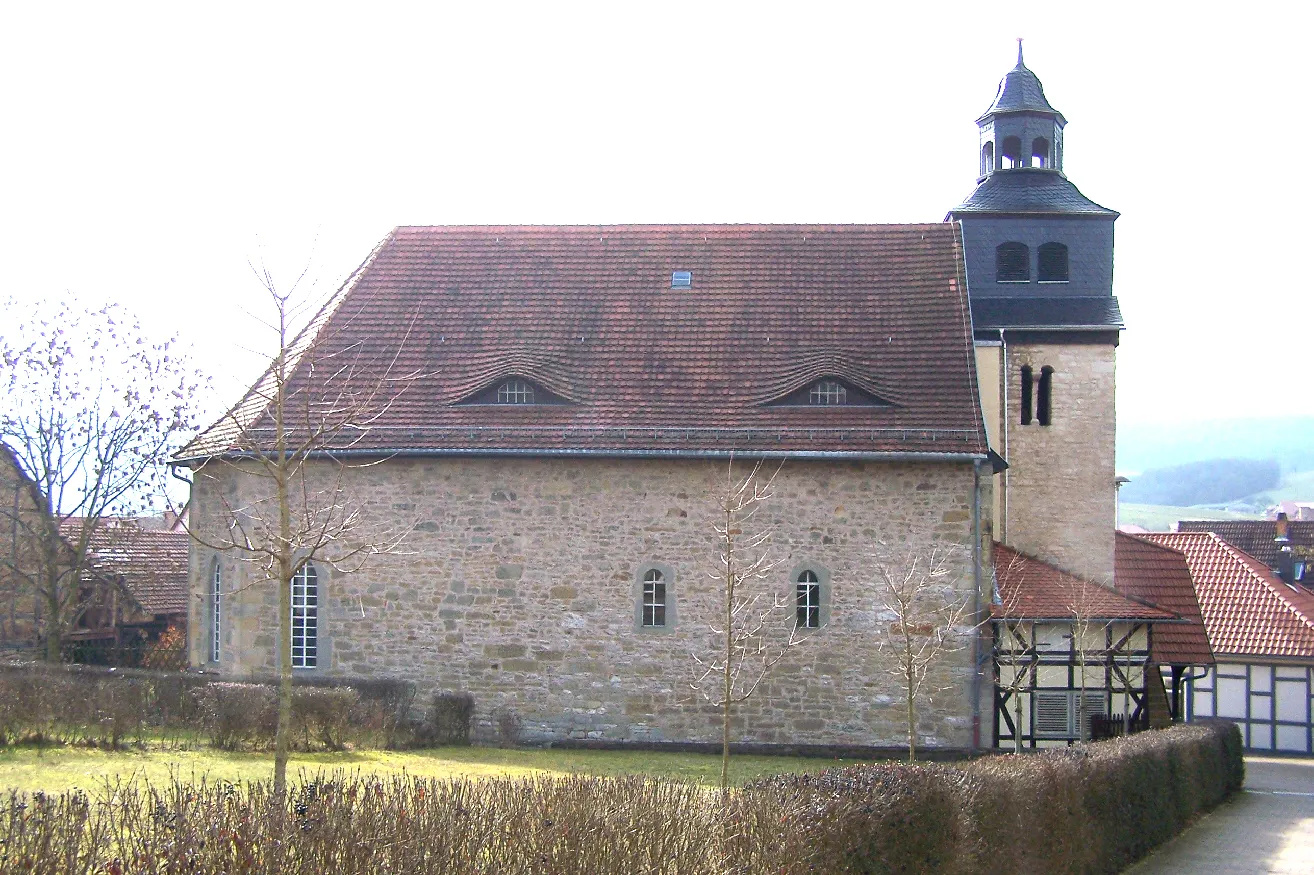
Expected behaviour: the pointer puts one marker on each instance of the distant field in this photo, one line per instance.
(1160, 518)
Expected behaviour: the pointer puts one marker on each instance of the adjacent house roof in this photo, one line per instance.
(150, 564)
(1247, 610)
(1029, 191)
(1030, 589)
(588, 315)
(1254, 536)
(1159, 575)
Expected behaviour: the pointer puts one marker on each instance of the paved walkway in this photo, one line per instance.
(1269, 828)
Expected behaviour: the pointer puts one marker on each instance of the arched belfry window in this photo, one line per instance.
(1012, 263)
(987, 158)
(1043, 408)
(1040, 152)
(1011, 152)
(1052, 263)
(305, 617)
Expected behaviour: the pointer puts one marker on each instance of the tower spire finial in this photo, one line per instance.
(1019, 52)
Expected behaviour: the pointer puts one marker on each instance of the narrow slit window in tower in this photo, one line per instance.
(1043, 395)
(1052, 263)
(1026, 394)
(1012, 263)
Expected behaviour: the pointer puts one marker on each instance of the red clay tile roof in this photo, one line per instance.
(1254, 536)
(1160, 576)
(152, 565)
(1247, 609)
(588, 313)
(1029, 589)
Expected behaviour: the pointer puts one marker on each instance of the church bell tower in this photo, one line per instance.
(1039, 259)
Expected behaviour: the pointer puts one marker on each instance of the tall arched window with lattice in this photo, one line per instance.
(305, 617)
(216, 609)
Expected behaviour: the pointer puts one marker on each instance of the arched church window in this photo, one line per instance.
(1052, 263)
(1040, 152)
(1027, 383)
(1012, 263)
(1043, 395)
(1011, 152)
(807, 595)
(216, 607)
(987, 158)
(305, 617)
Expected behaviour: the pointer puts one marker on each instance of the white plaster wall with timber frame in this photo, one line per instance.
(1272, 703)
(1116, 654)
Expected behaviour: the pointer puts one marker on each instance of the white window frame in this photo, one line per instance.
(305, 617)
(515, 392)
(828, 393)
(807, 599)
(654, 598)
(216, 606)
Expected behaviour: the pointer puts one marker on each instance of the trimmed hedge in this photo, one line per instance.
(73, 704)
(1085, 811)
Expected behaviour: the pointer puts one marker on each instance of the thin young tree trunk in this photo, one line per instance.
(285, 572)
(727, 680)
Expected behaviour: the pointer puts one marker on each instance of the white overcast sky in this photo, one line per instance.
(151, 152)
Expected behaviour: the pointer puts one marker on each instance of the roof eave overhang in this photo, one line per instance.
(1263, 657)
(1069, 618)
(651, 453)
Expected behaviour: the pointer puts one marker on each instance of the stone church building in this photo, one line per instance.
(550, 412)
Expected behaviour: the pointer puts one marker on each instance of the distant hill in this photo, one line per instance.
(1209, 481)
(1146, 446)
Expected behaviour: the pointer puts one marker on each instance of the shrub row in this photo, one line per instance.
(61, 704)
(1088, 811)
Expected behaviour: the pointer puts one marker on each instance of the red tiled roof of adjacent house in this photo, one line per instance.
(151, 564)
(1029, 589)
(1159, 575)
(588, 315)
(1247, 610)
(1254, 537)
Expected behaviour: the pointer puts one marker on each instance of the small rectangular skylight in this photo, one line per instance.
(682, 279)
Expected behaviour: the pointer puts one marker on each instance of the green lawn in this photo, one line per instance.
(56, 769)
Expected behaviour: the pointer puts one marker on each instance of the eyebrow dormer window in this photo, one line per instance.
(515, 392)
(828, 393)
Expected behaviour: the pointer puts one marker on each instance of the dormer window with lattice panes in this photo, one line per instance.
(828, 393)
(515, 392)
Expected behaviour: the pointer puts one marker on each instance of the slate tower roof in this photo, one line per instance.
(1039, 252)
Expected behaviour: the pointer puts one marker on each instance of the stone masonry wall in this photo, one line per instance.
(1061, 503)
(518, 584)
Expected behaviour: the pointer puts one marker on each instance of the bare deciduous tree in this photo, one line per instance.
(756, 626)
(1014, 641)
(318, 397)
(1082, 601)
(91, 412)
(926, 619)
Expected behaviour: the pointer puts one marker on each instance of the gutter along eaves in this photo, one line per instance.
(557, 452)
